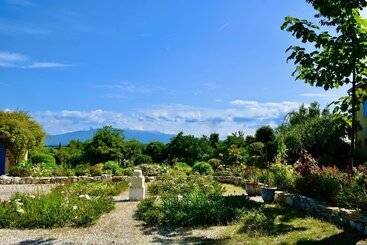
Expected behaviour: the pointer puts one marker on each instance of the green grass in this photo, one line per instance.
(78, 204)
(233, 190)
(280, 225)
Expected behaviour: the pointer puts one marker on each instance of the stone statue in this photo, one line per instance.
(137, 187)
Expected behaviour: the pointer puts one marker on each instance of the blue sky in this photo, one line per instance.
(197, 66)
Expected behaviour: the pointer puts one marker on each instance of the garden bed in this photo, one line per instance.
(350, 218)
(77, 204)
(7, 180)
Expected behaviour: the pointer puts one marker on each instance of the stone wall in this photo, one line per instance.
(6, 180)
(238, 181)
(350, 218)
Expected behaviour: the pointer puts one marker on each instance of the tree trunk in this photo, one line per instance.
(353, 139)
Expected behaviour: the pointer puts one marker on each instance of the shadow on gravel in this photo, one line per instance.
(178, 236)
(38, 241)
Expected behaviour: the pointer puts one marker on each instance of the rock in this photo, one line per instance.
(279, 196)
(137, 187)
(106, 177)
(28, 180)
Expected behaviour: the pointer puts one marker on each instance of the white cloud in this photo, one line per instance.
(122, 90)
(171, 118)
(326, 96)
(17, 60)
(46, 65)
(127, 87)
(265, 110)
(315, 95)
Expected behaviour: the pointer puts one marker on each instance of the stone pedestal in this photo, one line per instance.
(137, 187)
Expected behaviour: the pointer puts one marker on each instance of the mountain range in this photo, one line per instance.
(142, 136)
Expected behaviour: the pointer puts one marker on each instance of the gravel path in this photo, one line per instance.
(116, 227)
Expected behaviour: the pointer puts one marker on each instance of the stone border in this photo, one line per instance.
(350, 218)
(7, 180)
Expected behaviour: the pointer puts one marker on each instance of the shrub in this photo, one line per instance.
(306, 164)
(63, 171)
(43, 170)
(37, 158)
(23, 169)
(149, 210)
(177, 182)
(183, 167)
(284, 176)
(97, 169)
(232, 170)
(142, 159)
(112, 166)
(256, 149)
(203, 168)
(152, 169)
(189, 200)
(258, 161)
(77, 204)
(124, 171)
(324, 184)
(82, 170)
(215, 163)
(321, 136)
(354, 195)
(190, 209)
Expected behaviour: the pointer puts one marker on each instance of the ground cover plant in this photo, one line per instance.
(274, 224)
(78, 204)
(183, 199)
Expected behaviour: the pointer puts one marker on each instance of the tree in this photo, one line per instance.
(156, 150)
(265, 134)
(107, 144)
(335, 52)
(21, 132)
(184, 148)
(236, 138)
(72, 154)
(304, 113)
(214, 140)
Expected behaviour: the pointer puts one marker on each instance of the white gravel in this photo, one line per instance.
(117, 227)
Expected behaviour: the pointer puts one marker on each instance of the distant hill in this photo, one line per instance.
(142, 136)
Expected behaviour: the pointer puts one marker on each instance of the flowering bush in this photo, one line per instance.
(354, 195)
(153, 169)
(284, 176)
(324, 184)
(306, 164)
(77, 204)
